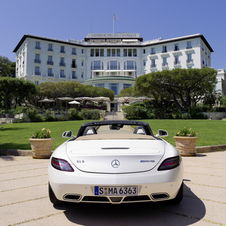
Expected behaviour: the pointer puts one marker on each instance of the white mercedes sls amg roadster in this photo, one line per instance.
(116, 161)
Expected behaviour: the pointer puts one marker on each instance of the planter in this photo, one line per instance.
(41, 148)
(186, 145)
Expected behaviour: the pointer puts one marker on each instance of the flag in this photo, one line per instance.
(115, 18)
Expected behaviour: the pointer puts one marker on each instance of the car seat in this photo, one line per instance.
(89, 131)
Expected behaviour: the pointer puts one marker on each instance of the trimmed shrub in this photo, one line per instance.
(87, 114)
(73, 114)
(33, 115)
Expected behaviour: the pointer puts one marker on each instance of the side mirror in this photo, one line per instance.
(162, 133)
(67, 134)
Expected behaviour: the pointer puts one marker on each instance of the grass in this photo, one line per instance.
(16, 136)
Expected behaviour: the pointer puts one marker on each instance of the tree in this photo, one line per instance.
(15, 91)
(183, 86)
(127, 92)
(5, 67)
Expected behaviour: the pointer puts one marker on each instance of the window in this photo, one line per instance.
(82, 63)
(37, 58)
(100, 85)
(97, 65)
(153, 65)
(114, 87)
(144, 63)
(164, 49)
(92, 53)
(176, 47)
(62, 64)
(189, 45)
(82, 51)
(118, 52)
(113, 52)
(113, 65)
(50, 47)
(36, 82)
(130, 65)
(152, 50)
(143, 51)
(82, 75)
(73, 52)
(134, 52)
(37, 72)
(125, 52)
(74, 75)
(127, 86)
(37, 45)
(73, 64)
(62, 49)
(62, 75)
(164, 63)
(189, 59)
(176, 60)
(129, 52)
(101, 52)
(96, 52)
(50, 60)
(50, 73)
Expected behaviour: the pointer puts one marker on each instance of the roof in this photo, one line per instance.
(142, 44)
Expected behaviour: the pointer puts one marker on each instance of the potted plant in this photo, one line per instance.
(41, 143)
(185, 141)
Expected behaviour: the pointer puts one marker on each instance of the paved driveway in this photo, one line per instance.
(24, 198)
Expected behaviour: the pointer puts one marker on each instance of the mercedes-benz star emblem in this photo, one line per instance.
(115, 163)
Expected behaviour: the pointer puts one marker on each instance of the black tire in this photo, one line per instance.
(52, 197)
(179, 196)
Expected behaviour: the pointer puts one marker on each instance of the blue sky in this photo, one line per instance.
(74, 19)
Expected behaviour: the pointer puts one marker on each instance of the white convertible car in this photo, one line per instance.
(116, 161)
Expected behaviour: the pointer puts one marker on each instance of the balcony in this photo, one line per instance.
(164, 64)
(37, 73)
(51, 50)
(62, 64)
(190, 61)
(62, 76)
(37, 61)
(153, 65)
(177, 62)
(74, 53)
(49, 62)
(73, 65)
(50, 75)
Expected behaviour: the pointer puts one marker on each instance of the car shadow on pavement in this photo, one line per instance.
(189, 211)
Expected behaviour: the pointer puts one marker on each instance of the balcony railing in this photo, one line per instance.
(189, 61)
(73, 53)
(50, 75)
(37, 61)
(62, 76)
(50, 62)
(62, 64)
(74, 65)
(177, 62)
(37, 73)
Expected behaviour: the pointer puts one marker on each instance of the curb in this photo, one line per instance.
(201, 149)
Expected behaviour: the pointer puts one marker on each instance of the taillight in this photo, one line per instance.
(61, 164)
(170, 163)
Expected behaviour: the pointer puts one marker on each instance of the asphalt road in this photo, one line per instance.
(24, 198)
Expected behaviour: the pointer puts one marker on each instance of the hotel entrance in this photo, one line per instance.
(114, 107)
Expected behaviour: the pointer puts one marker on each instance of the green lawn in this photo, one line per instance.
(16, 136)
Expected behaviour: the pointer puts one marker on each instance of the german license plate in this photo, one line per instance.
(118, 191)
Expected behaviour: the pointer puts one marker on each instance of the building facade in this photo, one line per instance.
(110, 60)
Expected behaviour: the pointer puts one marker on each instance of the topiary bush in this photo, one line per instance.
(87, 114)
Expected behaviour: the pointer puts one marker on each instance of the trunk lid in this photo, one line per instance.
(115, 156)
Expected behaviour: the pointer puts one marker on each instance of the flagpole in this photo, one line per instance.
(113, 24)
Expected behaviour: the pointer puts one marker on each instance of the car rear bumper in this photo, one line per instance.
(152, 185)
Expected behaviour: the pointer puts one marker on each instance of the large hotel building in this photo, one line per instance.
(110, 60)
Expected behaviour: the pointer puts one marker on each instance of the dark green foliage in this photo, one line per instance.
(33, 115)
(49, 117)
(73, 114)
(90, 114)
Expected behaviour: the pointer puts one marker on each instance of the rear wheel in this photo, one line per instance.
(179, 196)
(52, 197)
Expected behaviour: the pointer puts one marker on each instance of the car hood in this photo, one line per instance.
(115, 156)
